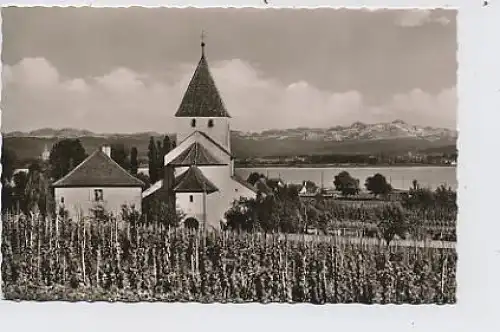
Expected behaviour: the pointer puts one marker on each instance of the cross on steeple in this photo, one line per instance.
(203, 41)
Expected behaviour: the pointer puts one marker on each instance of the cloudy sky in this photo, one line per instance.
(125, 70)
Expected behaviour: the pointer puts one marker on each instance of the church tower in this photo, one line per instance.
(199, 177)
(202, 108)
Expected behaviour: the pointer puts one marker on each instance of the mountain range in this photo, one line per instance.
(357, 131)
(70, 133)
(358, 138)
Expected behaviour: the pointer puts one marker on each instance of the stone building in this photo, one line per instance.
(199, 175)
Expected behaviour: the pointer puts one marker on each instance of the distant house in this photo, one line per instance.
(98, 180)
(308, 189)
(45, 154)
(21, 170)
(143, 170)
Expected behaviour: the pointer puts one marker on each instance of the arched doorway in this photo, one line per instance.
(191, 223)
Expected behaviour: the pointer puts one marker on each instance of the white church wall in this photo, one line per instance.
(220, 176)
(229, 190)
(217, 174)
(219, 131)
(218, 203)
(192, 206)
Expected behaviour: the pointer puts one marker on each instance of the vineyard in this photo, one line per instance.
(116, 261)
(331, 215)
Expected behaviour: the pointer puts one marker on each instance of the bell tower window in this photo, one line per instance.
(193, 123)
(210, 123)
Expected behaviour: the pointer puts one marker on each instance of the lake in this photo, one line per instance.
(399, 177)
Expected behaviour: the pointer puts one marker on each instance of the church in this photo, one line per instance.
(199, 172)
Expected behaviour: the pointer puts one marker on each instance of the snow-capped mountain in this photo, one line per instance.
(357, 131)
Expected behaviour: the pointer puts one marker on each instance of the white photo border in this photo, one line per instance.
(478, 227)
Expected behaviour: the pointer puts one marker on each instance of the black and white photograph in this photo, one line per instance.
(229, 155)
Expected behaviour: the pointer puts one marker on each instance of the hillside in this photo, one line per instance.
(388, 138)
(28, 147)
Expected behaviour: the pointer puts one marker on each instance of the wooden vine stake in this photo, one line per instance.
(443, 274)
(83, 252)
(39, 231)
(98, 262)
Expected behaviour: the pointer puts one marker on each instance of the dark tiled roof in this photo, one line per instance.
(202, 99)
(98, 170)
(196, 154)
(193, 181)
(244, 183)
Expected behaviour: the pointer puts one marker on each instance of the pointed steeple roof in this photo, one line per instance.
(98, 170)
(193, 181)
(196, 154)
(202, 98)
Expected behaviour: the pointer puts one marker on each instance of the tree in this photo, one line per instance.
(243, 215)
(279, 212)
(144, 178)
(167, 145)
(8, 163)
(134, 163)
(37, 190)
(64, 156)
(159, 159)
(8, 160)
(157, 211)
(421, 198)
(18, 196)
(162, 150)
(152, 161)
(119, 154)
(446, 197)
(346, 184)
(393, 223)
(378, 185)
(254, 177)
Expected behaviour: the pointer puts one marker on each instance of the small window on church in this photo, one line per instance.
(193, 123)
(191, 198)
(210, 123)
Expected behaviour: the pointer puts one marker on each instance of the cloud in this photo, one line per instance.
(419, 17)
(36, 95)
(420, 107)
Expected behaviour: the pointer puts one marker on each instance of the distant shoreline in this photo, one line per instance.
(338, 166)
